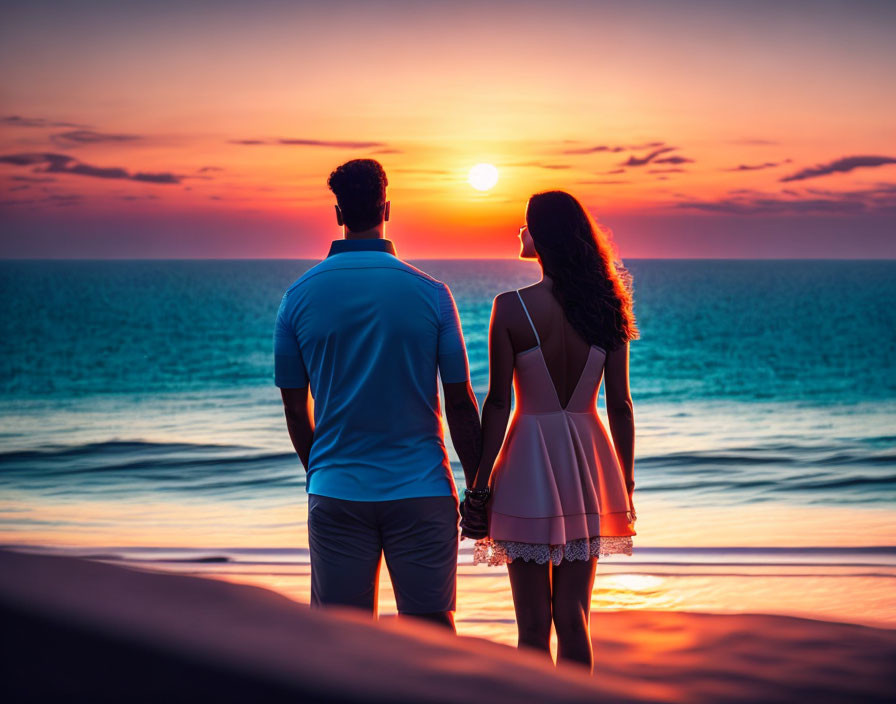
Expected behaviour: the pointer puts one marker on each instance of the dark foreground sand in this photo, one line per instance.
(75, 630)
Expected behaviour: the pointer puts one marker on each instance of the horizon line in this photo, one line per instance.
(445, 259)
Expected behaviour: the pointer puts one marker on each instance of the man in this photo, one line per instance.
(368, 334)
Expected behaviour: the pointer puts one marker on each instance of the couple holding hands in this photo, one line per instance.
(367, 336)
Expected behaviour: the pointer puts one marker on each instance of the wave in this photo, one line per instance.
(741, 474)
(788, 484)
(120, 465)
(116, 448)
(762, 473)
(771, 454)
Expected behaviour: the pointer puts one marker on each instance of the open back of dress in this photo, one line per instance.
(558, 490)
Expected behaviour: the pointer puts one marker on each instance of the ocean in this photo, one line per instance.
(139, 421)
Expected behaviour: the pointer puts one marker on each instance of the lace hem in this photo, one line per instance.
(500, 552)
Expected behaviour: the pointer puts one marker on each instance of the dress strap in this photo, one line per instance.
(526, 311)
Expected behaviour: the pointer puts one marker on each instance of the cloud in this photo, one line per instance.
(76, 137)
(88, 170)
(148, 196)
(843, 165)
(593, 150)
(880, 198)
(64, 164)
(539, 165)
(768, 206)
(757, 167)
(64, 198)
(674, 160)
(612, 149)
(666, 171)
(330, 144)
(29, 159)
(880, 190)
(155, 177)
(603, 183)
(18, 121)
(205, 173)
(33, 179)
(641, 161)
(54, 199)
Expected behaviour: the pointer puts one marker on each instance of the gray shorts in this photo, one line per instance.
(418, 537)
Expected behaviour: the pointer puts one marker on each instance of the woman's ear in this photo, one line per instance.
(386, 210)
(338, 216)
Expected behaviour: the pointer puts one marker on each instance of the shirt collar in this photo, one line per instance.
(369, 245)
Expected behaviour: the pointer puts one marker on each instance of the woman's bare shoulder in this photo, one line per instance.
(511, 298)
(504, 306)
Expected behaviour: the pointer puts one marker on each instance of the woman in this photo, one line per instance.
(556, 493)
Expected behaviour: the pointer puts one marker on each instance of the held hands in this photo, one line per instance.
(474, 517)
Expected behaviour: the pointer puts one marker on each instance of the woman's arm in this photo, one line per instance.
(621, 413)
(496, 407)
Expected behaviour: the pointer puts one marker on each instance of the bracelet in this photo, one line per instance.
(477, 496)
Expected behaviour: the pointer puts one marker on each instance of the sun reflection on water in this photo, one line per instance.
(632, 591)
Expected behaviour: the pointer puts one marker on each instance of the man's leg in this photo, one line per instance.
(345, 552)
(420, 538)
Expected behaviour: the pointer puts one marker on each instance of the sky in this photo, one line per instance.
(207, 129)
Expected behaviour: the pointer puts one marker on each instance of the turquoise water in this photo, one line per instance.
(152, 380)
(815, 331)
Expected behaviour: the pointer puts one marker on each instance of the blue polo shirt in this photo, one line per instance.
(370, 334)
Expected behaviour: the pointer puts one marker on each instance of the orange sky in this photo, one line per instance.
(690, 128)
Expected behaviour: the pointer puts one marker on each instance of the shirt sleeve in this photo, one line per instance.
(289, 369)
(453, 365)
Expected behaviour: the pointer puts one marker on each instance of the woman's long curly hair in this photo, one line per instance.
(593, 288)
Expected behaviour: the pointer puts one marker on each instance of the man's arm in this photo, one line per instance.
(461, 410)
(462, 414)
(299, 421)
(292, 378)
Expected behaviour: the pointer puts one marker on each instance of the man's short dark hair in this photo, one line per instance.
(360, 189)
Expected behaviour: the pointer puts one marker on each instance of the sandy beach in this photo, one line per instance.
(87, 629)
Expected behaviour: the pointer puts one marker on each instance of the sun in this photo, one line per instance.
(483, 177)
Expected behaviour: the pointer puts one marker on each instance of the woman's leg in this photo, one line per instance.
(530, 583)
(573, 582)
